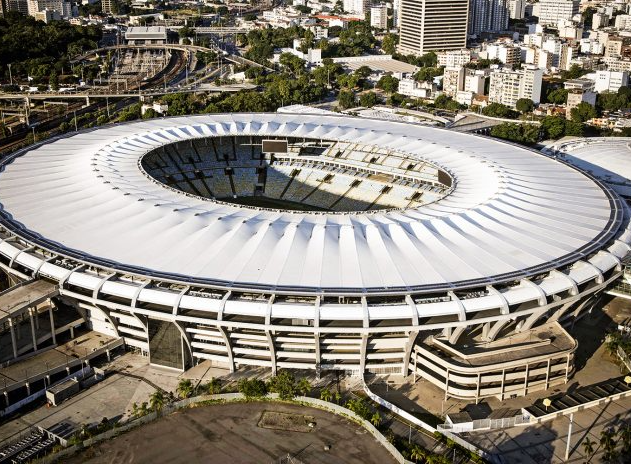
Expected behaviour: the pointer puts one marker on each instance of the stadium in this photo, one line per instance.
(316, 241)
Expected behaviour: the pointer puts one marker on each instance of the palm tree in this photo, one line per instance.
(134, 410)
(337, 397)
(185, 388)
(608, 443)
(417, 453)
(213, 387)
(588, 448)
(304, 387)
(325, 394)
(156, 400)
(375, 419)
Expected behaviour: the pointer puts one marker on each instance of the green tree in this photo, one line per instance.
(389, 44)
(375, 419)
(252, 388)
(428, 74)
(283, 383)
(338, 396)
(368, 99)
(325, 394)
(150, 113)
(574, 72)
(157, 400)
(213, 387)
(388, 83)
(557, 96)
(524, 105)
(417, 453)
(53, 81)
(346, 99)
(304, 387)
(583, 112)
(498, 110)
(553, 127)
(185, 388)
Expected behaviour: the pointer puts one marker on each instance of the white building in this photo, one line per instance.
(600, 20)
(488, 16)
(358, 7)
(379, 16)
(552, 11)
(453, 81)
(146, 35)
(507, 86)
(623, 22)
(410, 88)
(609, 81)
(453, 58)
(517, 9)
(62, 7)
(431, 25)
(507, 53)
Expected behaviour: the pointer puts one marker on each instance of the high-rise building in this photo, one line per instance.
(20, 6)
(358, 7)
(430, 25)
(507, 86)
(517, 9)
(108, 6)
(552, 11)
(488, 16)
(62, 7)
(379, 16)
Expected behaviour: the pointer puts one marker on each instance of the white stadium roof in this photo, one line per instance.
(512, 213)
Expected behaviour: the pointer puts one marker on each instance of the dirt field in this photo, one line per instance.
(228, 433)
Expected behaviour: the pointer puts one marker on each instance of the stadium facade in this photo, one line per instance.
(318, 242)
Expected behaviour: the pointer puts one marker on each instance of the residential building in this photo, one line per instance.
(610, 81)
(379, 16)
(507, 86)
(358, 7)
(599, 20)
(582, 84)
(454, 58)
(488, 16)
(431, 25)
(474, 81)
(614, 46)
(62, 7)
(410, 88)
(453, 81)
(517, 9)
(623, 22)
(507, 53)
(552, 11)
(575, 98)
(108, 6)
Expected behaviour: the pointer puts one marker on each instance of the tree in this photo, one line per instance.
(325, 394)
(553, 127)
(497, 110)
(557, 96)
(283, 383)
(213, 387)
(375, 419)
(304, 387)
(252, 388)
(625, 436)
(524, 105)
(338, 396)
(388, 83)
(150, 113)
(428, 74)
(368, 99)
(583, 112)
(53, 81)
(346, 99)
(417, 453)
(185, 388)
(389, 44)
(574, 72)
(156, 400)
(359, 407)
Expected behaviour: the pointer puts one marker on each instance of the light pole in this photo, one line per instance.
(76, 128)
(569, 437)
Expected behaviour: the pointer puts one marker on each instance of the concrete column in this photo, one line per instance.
(547, 374)
(415, 361)
(447, 385)
(502, 387)
(477, 390)
(526, 380)
(71, 332)
(6, 398)
(30, 315)
(13, 341)
(36, 317)
(485, 330)
(52, 325)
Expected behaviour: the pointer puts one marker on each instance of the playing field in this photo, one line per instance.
(230, 433)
